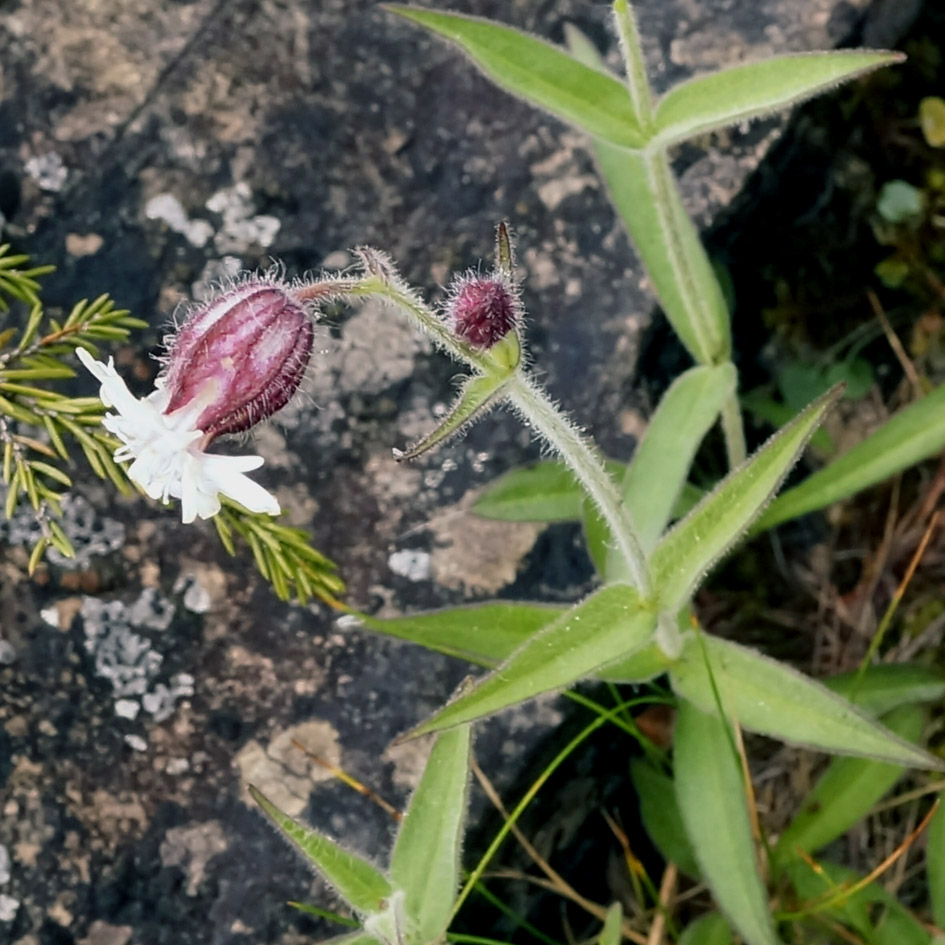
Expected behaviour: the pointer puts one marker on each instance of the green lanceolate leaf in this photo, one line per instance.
(425, 861)
(846, 792)
(477, 395)
(543, 492)
(487, 634)
(540, 73)
(917, 432)
(711, 929)
(611, 933)
(710, 792)
(681, 560)
(886, 686)
(771, 698)
(484, 634)
(760, 88)
(660, 466)
(657, 473)
(644, 193)
(662, 821)
(935, 863)
(610, 624)
(359, 883)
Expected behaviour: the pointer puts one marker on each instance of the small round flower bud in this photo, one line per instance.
(242, 356)
(483, 309)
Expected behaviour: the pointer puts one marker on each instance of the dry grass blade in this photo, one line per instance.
(667, 890)
(845, 891)
(898, 595)
(351, 782)
(555, 882)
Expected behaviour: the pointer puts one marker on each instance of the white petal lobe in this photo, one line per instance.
(167, 459)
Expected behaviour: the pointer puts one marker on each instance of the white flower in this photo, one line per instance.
(168, 453)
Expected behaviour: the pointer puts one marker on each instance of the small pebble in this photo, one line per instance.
(413, 565)
(8, 908)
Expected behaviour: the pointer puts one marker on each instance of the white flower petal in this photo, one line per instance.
(167, 458)
(224, 472)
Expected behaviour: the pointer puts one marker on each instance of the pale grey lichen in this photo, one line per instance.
(92, 535)
(117, 640)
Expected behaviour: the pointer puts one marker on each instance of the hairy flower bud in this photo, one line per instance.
(237, 360)
(243, 355)
(483, 309)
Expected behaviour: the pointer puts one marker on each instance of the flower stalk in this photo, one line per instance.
(531, 403)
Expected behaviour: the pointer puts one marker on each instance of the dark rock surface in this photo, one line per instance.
(150, 149)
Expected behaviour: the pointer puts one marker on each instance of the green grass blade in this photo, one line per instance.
(915, 433)
(935, 863)
(681, 560)
(604, 627)
(710, 792)
(425, 861)
(359, 883)
(887, 686)
(540, 73)
(748, 91)
(711, 929)
(661, 818)
(846, 792)
(771, 698)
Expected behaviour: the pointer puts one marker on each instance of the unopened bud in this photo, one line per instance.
(241, 358)
(483, 309)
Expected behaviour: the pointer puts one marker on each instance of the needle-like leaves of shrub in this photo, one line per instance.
(886, 686)
(711, 929)
(935, 863)
(425, 861)
(743, 92)
(610, 624)
(538, 72)
(710, 791)
(915, 433)
(543, 492)
(771, 698)
(662, 821)
(681, 560)
(846, 792)
(358, 882)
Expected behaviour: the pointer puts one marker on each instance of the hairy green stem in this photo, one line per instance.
(534, 405)
(550, 424)
(734, 431)
(637, 83)
(705, 310)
